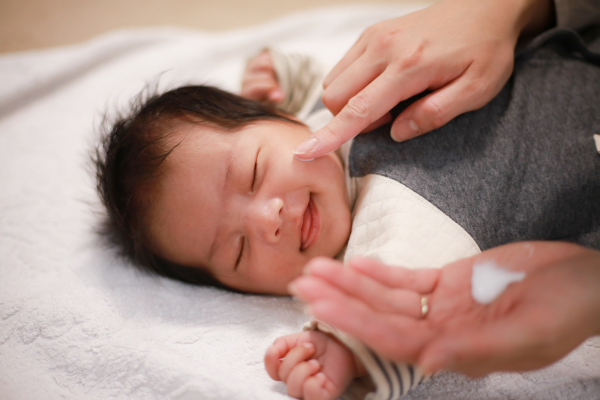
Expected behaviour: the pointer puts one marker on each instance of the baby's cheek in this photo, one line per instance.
(337, 234)
(277, 271)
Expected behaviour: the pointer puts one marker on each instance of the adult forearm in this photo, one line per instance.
(536, 16)
(521, 17)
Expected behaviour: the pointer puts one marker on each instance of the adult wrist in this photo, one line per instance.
(536, 16)
(595, 263)
(519, 17)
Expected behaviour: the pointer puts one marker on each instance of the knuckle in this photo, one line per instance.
(358, 107)
(413, 57)
(385, 38)
(483, 84)
(409, 59)
(436, 113)
(479, 89)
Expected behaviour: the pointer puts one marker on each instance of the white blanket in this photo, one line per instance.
(76, 322)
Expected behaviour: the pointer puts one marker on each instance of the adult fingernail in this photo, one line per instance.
(302, 159)
(306, 146)
(404, 129)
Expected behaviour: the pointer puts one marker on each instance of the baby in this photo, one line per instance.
(201, 185)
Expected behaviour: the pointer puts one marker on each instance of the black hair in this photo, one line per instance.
(128, 163)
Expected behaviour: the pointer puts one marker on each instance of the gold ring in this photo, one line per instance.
(424, 307)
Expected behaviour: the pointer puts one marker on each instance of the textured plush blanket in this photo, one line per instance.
(76, 322)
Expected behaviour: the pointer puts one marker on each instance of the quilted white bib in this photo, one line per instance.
(395, 225)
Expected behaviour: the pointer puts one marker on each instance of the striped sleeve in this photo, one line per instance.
(391, 380)
(300, 77)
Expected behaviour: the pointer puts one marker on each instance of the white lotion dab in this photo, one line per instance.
(489, 280)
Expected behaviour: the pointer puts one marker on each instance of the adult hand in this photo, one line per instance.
(462, 50)
(532, 324)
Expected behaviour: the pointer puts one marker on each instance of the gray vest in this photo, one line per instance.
(524, 167)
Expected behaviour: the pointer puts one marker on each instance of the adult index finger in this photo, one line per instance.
(379, 97)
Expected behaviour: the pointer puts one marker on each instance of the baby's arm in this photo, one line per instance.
(313, 365)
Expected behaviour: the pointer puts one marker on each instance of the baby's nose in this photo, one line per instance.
(267, 221)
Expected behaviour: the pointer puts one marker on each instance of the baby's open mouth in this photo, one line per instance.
(310, 225)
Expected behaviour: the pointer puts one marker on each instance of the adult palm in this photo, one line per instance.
(532, 324)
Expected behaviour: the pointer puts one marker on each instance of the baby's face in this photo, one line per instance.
(240, 205)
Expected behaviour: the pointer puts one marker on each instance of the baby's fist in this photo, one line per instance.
(260, 82)
(313, 365)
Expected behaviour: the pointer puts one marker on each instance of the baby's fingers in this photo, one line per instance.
(277, 351)
(295, 356)
(272, 362)
(299, 376)
(262, 87)
(319, 387)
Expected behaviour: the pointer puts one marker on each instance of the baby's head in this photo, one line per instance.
(201, 185)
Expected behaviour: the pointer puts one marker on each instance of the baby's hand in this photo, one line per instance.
(260, 82)
(313, 365)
